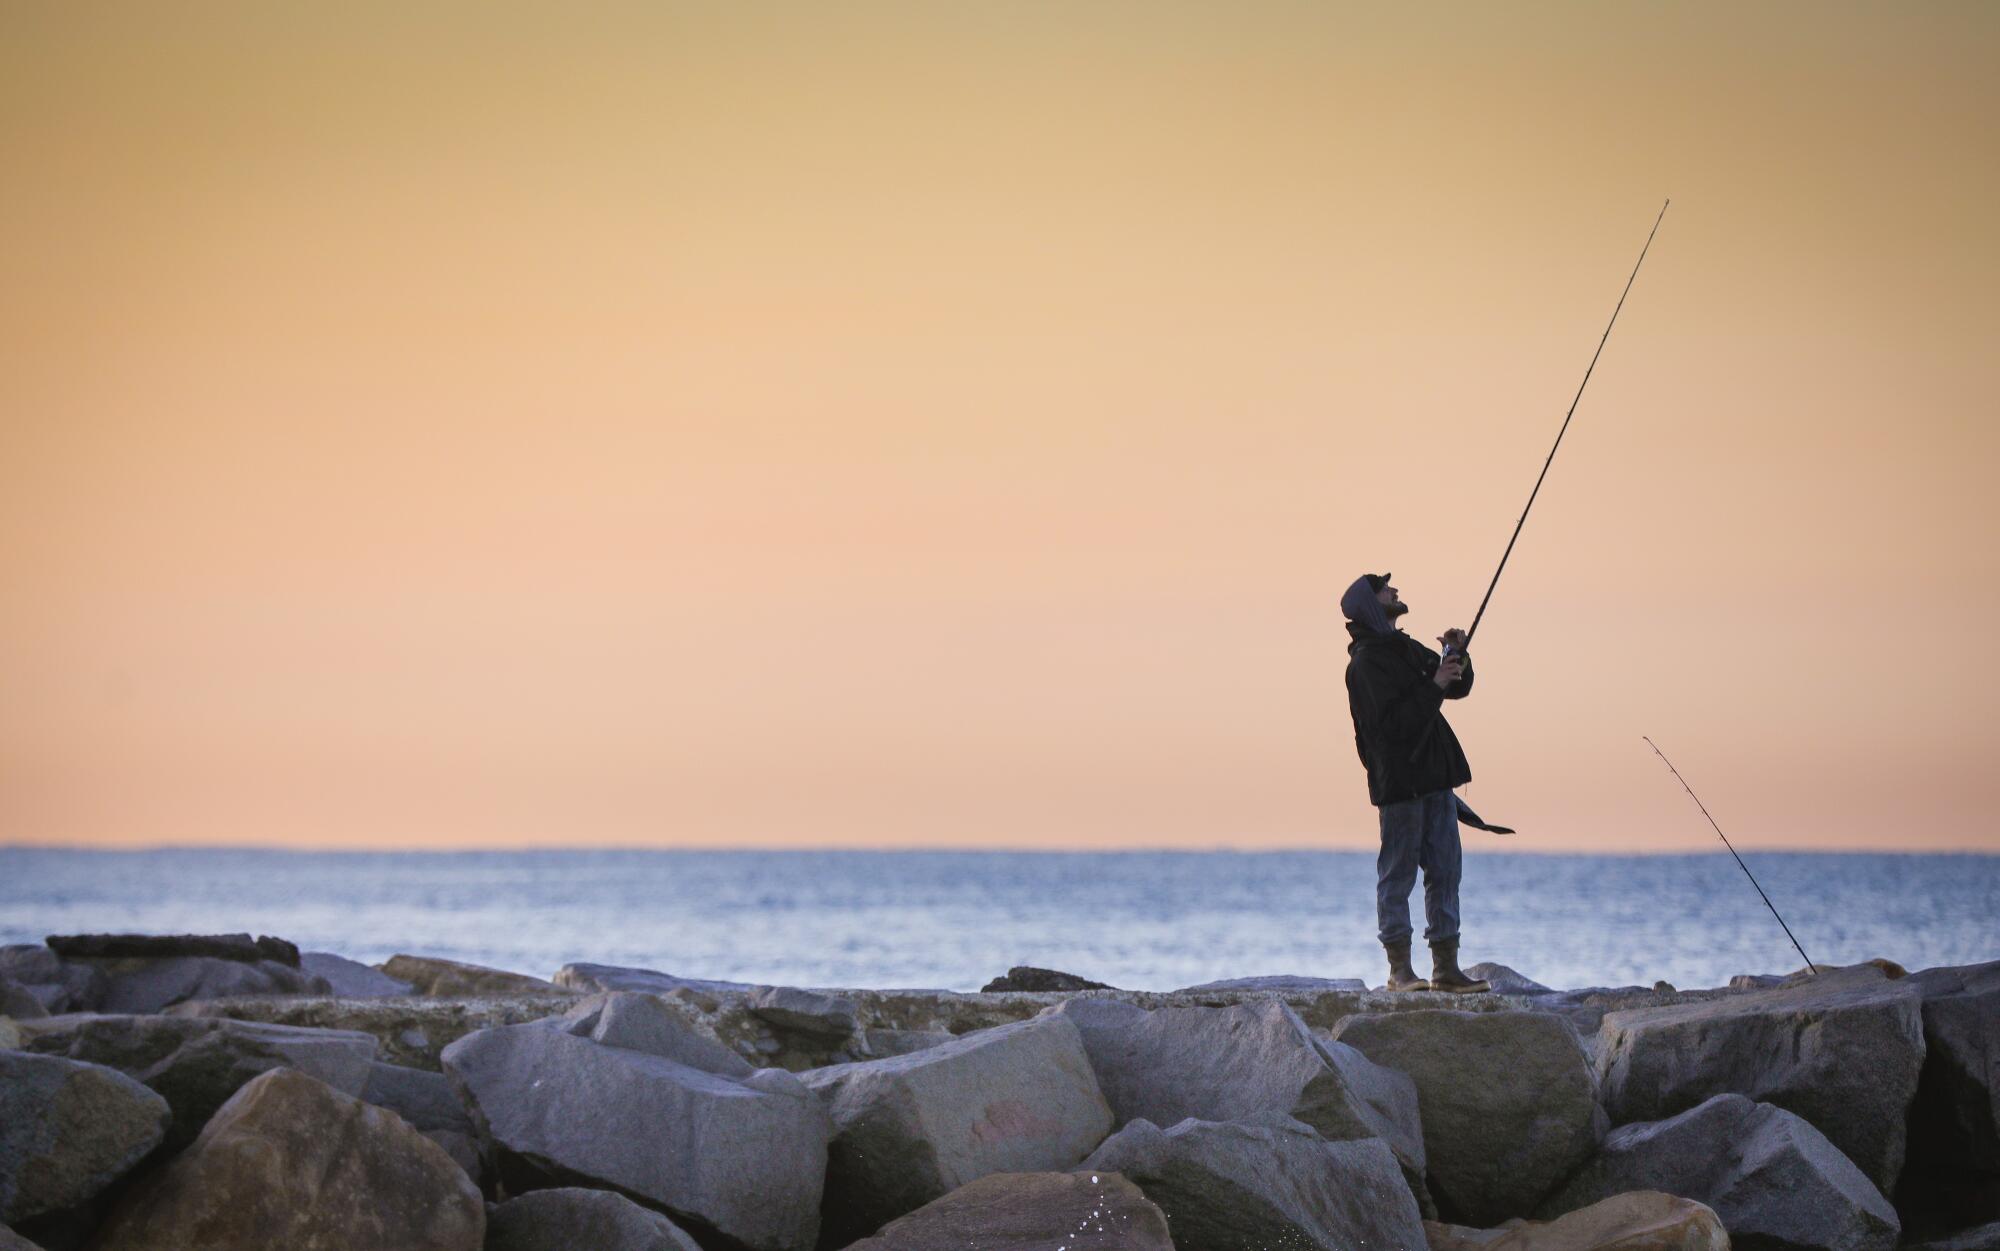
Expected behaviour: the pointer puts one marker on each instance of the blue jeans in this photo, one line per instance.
(1418, 833)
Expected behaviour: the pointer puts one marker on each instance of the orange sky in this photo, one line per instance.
(953, 425)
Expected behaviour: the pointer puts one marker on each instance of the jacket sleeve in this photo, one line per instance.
(1387, 711)
(1463, 687)
(1356, 706)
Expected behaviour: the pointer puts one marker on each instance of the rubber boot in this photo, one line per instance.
(1401, 975)
(1445, 974)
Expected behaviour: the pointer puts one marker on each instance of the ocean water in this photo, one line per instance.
(1141, 920)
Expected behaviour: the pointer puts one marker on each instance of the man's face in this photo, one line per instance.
(1392, 603)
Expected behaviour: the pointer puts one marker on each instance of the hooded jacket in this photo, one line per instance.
(1400, 732)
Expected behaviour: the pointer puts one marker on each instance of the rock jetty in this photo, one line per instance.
(224, 1092)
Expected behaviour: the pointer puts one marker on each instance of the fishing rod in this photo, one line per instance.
(1810, 966)
(1449, 649)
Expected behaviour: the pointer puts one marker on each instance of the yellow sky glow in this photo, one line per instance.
(954, 425)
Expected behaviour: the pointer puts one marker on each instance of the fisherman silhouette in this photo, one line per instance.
(1396, 688)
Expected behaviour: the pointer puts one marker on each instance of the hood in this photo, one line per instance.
(1359, 605)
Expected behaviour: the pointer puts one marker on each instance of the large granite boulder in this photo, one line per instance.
(744, 1158)
(1266, 1182)
(1508, 1104)
(639, 1022)
(351, 979)
(1953, 1173)
(138, 985)
(427, 1102)
(238, 947)
(1775, 1181)
(67, 1130)
(198, 1063)
(290, 1162)
(57, 986)
(153, 972)
(1506, 981)
(570, 1218)
(410, 1030)
(807, 1012)
(1243, 1061)
(1031, 1212)
(1640, 1221)
(18, 1002)
(907, 1129)
(1843, 1050)
(1028, 977)
(449, 979)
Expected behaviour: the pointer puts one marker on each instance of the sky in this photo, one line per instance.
(954, 426)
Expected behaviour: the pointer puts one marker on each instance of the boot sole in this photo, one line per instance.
(1473, 988)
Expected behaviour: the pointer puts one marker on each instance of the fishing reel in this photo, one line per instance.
(1454, 651)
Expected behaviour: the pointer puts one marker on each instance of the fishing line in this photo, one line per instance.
(1810, 966)
(1559, 436)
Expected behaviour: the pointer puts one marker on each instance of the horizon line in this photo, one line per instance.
(982, 849)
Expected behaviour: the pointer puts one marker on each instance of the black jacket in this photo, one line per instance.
(1399, 727)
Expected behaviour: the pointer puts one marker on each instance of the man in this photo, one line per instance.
(1396, 688)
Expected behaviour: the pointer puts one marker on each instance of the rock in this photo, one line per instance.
(11, 1241)
(1279, 984)
(463, 1149)
(639, 1022)
(601, 977)
(448, 979)
(424, 1099)
(1953, 1175)
(1504, 980)
(1756, 981)
(351, 979)
(410, 1029)
(1267, 1182)
(803, 1011)
(1027, 977)
(1843, 1050)
(1031, 1212)
(240, 947)
(1508, 1105)
(290, 1162)
(879, 1043)
(197, 1063)
(1773, 1179)
(1984, 1238)
(10, 1034)
(67, 1130)
(744, 1159)
(18, 1002)
(58, 987)
(1015, 1098)
(1241, 1062)
(1867, 970)
(146, 973)
(571, 1218)
(1586, 1008)
(149, 985)
(1640, 1221)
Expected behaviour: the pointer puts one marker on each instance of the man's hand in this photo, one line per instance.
(1447, 673)
(1453, 637)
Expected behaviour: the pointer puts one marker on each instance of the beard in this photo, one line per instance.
(1396, 609)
